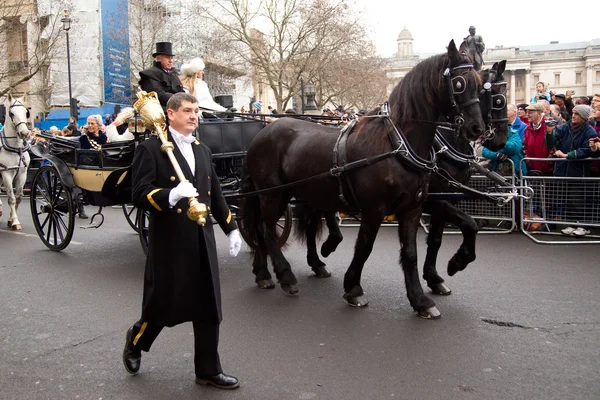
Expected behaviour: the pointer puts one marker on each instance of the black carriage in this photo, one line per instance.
(99, 178)
(102, 178)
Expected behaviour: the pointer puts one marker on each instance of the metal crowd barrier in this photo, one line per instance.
(561, 202)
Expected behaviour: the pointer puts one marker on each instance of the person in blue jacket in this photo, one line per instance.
(512, 150)
(514, 121)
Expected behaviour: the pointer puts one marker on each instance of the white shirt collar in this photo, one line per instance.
(180, 138)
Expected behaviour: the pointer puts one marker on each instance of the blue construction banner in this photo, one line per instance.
(115, 51)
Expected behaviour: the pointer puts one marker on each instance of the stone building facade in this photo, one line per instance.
(562, 66)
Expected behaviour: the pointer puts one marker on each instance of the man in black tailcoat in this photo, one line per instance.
(161, 78)
(181, 281)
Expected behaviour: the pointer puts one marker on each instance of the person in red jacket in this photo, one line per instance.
(534, 145)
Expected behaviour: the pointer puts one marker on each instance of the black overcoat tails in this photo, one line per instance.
(181, 280)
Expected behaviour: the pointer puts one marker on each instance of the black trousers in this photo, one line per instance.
(206, 343)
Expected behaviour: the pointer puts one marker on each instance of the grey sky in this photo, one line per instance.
(433, 23)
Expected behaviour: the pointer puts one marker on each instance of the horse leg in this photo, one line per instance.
(434, 242)
(13, 221)
(271, 210)
(469, 229)
(313, 224)
(19, 184)
(260, 267)
(335, 235)
(369, 226)
(407, 232)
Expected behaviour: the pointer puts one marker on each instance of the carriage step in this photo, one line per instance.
(93, 224)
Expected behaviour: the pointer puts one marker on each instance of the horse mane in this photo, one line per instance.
(416, 95)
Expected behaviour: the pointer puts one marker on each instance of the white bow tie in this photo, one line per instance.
(187, 139)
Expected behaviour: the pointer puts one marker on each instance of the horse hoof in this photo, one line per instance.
(266, 284)
(430, 313)
(330, 245)
(17, 227)
(290, 289)
(359, 301)
(440, 288)
(321, 272)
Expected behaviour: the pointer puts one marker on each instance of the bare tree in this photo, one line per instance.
(286, 40)
(147, 19)
(30, 39)
(354, 79)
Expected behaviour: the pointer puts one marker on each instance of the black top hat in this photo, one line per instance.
(165, 48)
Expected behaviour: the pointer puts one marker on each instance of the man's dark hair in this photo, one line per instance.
(522, 105)
(177, 100)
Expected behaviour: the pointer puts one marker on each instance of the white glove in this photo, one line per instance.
(182, 191)
(235, 242)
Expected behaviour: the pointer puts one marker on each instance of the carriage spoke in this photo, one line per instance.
(54, 228)
(49, 230)
(45, 220)
(43, 193)
(59, 226)
(61, 223)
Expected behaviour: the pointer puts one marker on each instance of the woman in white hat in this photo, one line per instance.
(193, 84)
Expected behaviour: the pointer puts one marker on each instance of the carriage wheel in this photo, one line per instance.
(131, 215)
(52, 208)
(283, 228)
(143, 219)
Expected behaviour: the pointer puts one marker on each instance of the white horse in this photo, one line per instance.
(14, 158)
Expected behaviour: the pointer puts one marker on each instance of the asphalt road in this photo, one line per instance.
(523, 322)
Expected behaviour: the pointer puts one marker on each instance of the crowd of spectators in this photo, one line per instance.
(559, 126)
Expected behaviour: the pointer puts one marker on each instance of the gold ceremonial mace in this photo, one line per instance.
(153, 117)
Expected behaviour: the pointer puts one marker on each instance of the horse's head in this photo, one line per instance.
(493, 107)
(463, 83)
(18, 114)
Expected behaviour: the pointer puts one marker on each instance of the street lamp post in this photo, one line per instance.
(302, 94)
(66, 21)
(311, 105)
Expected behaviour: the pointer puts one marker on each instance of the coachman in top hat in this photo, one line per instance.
(161, 78)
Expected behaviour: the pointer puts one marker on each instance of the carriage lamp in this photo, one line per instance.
(66, 21)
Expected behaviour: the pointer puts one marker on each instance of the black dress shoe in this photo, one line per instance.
(221, 381)
(132, 359)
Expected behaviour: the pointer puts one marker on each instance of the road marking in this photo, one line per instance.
(34, 236)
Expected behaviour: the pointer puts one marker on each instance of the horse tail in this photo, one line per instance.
(303, 214)
(250, 217)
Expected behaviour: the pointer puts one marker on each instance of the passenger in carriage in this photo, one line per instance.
(93, 138)
(118, 130)
(193, 83)
(161, 78)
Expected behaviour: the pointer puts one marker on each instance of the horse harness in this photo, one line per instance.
(400, 148)
(495, 102)
(458, 85)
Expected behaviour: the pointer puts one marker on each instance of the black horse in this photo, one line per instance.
(288, 151)
(456, 163)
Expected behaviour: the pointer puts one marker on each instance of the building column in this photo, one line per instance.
(527, 85)
(589, 80)
(513, 89)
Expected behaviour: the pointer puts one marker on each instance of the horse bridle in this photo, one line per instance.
(458, 85)
(17, 103)
(495, 102)
(4, 144)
